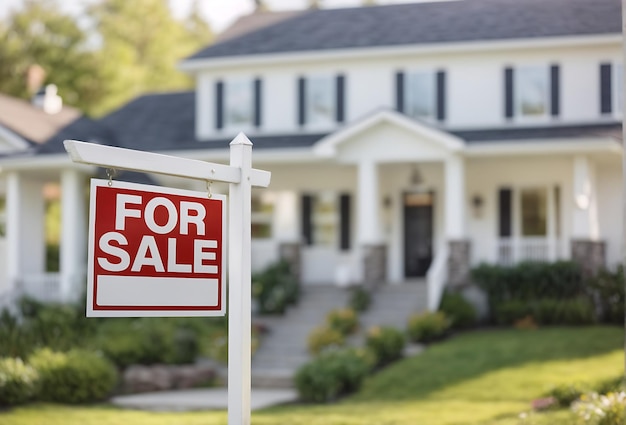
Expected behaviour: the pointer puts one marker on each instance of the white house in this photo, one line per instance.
(408, 141)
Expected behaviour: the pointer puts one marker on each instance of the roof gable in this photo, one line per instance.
(387, 122)
(425, 23)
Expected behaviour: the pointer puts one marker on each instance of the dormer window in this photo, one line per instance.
(421, 94)
(532, 92)
(321, 100)
(238, 104)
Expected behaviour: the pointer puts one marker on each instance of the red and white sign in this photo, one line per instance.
(155, 251)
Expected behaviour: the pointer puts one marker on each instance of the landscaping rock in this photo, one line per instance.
(138, 378)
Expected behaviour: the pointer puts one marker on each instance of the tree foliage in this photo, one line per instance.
(119, 50)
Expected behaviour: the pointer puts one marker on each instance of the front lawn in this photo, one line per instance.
(483, 377)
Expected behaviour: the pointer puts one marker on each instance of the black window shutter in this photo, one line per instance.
(258, 93)
(505, 209)
(307, 223)
(555, 91)
(508, 93)
(606, 90)
(301, 100)
(340, 92)
(344, 222)
(219, 105)
(441, 95)
(400, 91)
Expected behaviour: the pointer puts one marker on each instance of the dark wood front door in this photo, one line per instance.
(418, 233)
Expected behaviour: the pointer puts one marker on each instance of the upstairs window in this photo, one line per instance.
(532, 92)
(611, 89)
(321, 100)
(421, 94)
(238, 104)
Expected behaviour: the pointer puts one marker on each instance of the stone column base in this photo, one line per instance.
(290, 252)
(459, 262)
(590, 255)
(374, 265)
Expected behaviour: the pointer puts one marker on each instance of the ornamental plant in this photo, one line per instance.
(595, 409)
(343, 320)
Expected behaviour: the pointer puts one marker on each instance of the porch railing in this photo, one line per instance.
(436, 277)
(514, 250)
(45, 287)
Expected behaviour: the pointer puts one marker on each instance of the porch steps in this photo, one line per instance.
(283, 349)
(391, 306)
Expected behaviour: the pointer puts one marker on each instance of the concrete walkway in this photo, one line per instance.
(201, 399)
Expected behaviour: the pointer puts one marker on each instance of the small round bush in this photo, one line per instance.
(566, 394)
(428, 327)
(360, 299)
(18, 382)
(461, 313)
(322, 338)
(386, 344)
(344, 320)
(77, 376)
(332, 374)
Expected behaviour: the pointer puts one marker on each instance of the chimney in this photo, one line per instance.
(35, 76)
(48, 100)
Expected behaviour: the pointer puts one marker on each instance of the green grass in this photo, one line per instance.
(485, 377)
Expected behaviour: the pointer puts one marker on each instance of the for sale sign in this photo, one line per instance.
(154, 251)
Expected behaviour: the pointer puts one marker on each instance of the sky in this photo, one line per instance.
(220, 13)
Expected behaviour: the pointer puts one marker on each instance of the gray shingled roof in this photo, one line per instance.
(165, 122)
(425, 23)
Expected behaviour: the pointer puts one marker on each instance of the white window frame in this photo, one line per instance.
(312, 119)
(408, 93)
(517, 93)
(228, 103)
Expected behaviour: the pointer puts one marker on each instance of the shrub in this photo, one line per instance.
(322, 338)
(612, 385)
(608, 288)
(576, 311)
(18, 382)
(427, 327)
(529, 281)
(332, 374)
(386, 344)
(275, 288)
(360, 299)
(595, 409)
(509, 312)
(566, 394)
(15, 341)
(148, 341)
(77, 376)
(344, 321)
(460, 311)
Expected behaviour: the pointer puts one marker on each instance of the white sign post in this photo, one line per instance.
(241, 177)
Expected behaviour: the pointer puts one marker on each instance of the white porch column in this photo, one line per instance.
(24, 229)
(454, 198)
(73, 234)
(285, 220)
(587, 248)
(585, 217)
(368, 204)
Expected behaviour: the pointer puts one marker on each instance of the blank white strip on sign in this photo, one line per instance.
(156, 291)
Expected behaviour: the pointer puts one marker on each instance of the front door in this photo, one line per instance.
(418, 233)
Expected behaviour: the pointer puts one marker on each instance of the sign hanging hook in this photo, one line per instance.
(110, 174)
(208, 188)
